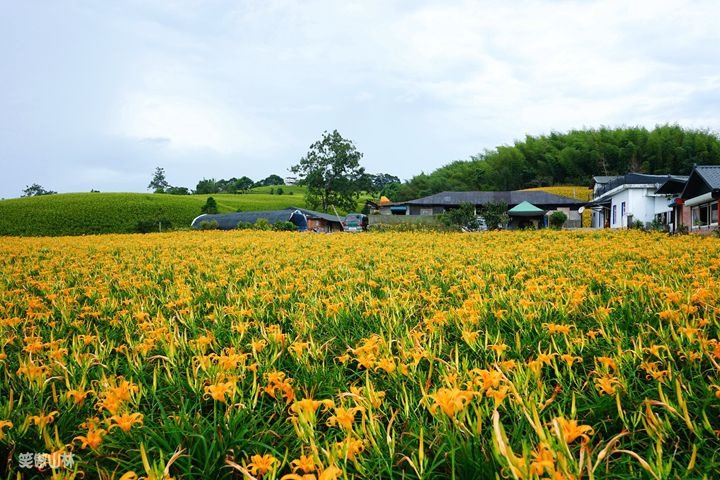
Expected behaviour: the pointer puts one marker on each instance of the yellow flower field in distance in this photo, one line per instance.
(538, 354)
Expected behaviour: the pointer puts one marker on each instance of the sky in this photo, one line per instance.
(95, 95)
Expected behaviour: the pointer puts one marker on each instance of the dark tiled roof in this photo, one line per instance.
(703, 179)
(512, 198)
(710, 174)
(638, 179)
(672, 186)
(603, 179)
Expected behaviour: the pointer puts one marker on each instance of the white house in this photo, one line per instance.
(625, 200)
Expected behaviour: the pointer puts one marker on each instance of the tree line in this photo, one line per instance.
(571, 158)
(159, 184)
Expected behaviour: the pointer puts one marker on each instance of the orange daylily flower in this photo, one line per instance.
(570, 431)
(450, 400)
(125, 421)
(261, 464)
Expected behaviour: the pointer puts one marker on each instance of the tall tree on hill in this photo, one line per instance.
(206, 186)
(159, 183)
(36, 190)
(381, 180)
(332, 173)
(270, 181)
(244, 183)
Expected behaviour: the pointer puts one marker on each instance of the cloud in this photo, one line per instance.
(224, 88)
(185, 124)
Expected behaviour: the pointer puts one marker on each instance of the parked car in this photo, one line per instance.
(355, 222)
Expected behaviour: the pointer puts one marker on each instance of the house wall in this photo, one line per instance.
(574, 219)
(425, 210)
(397, 219)
(597, 218)
(640, 204)
(619, 220)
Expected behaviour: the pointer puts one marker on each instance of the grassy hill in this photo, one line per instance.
(91, 213)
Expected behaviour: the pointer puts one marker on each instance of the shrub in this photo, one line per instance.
(463, 216)
(284, 225)
(244, 226)
(557, 220)
(210, 206)
(262, 224)
(279, 191)
(152, 225)
(209, 225)
(412, 227)
(495, 214)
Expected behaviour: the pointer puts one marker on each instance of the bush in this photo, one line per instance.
(279, 191)
(210, 206)
(209, 225)
(177, 191)
(244, 226)
(412, 227)
(557, 220)
(284, 226)
(495, 215)
(463, 216)
(262, 224)
(153, 225)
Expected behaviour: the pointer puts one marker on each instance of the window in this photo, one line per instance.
(714, 213)
(622, 209)
(614, 215)
(426, 211)
(700, 216)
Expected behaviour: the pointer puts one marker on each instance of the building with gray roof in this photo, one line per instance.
(444, 201)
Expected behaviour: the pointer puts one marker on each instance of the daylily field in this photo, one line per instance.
(398, 355)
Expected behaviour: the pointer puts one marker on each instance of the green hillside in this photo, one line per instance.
(91, 213)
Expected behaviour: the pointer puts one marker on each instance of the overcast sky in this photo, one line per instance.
(96, 94)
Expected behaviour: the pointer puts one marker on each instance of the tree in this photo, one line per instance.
(244, 183)
(495, 215)
(270, 181)
(463, 216)
(210, 206)
(177, 191)
(557, 219)
(382, 180)
(206, 186)
(159, 183)
(332, 173)
(36, 190)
